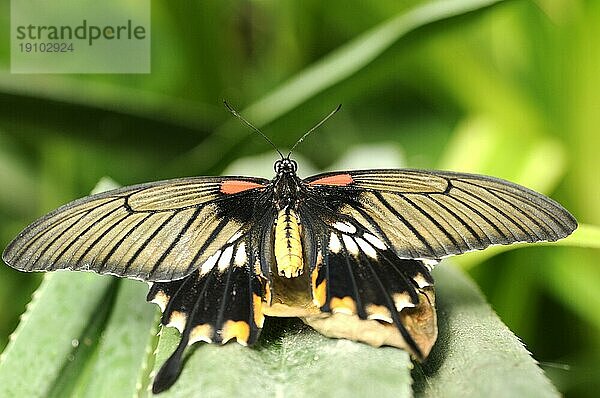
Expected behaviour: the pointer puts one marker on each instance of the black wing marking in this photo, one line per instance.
(434, 214)
(220, 301)
(156, 231)
(356, 274)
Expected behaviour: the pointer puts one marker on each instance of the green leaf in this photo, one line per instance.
(83, 335)
(122, 361)
(52, 333)
(290, 360)
(475, 355)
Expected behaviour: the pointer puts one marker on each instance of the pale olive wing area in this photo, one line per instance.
(434, 214)
(158, 231)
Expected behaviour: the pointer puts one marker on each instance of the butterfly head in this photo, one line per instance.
(285, 166)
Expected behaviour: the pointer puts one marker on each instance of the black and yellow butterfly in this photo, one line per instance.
(349, 252)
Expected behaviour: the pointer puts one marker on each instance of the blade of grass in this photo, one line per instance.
(539, 163)
(332, 69)
(585, 236)
(144, 104)
(576, 285)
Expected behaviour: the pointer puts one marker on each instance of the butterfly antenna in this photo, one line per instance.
(333, 112)
(247, 123)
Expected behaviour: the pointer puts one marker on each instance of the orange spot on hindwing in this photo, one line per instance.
(319, 292)
(230, 187)
(345, 305)
(259, 318)
(339, 180)
(239, 330)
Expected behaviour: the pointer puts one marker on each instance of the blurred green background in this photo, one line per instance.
(507, 88)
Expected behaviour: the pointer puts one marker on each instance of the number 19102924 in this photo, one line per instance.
(46, 47)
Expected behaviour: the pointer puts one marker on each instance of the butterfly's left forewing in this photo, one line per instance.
(156, 232)
(223, 299)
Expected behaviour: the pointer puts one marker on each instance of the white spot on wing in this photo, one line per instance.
(225, 258)
(381, 317)
(178, 320)
(367, 248)
(161, 299)
(350, 245)
(430, 263)
(240, 255)
(235, 237)
(344, 227)
(334, 243)
(209, 263)
(421, 281)
(401, 301)
(342, 310)
(375, 241)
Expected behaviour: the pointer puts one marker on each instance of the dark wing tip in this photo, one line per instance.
(5, 256)
(570, 223)
(8, 256)
(566, 224)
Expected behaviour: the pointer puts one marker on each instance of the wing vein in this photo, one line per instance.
(392, 308)
(97, 240)
(120, 242)
(56, 238)
(359, 305)
(147, 242)
(226, 293)
(433, 221)
(182, 232)
(412, 229)
(206, 243)
(498, 210)
(82, 233)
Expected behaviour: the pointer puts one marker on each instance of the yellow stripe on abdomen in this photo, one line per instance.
(288, 247)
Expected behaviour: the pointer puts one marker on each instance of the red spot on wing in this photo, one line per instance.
(340, 180)
(229, 187)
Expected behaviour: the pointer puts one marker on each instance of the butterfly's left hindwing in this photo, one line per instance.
(221, 301)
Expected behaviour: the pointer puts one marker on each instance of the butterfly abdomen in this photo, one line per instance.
(288, 247)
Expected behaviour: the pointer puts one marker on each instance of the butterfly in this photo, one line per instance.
(349, 252)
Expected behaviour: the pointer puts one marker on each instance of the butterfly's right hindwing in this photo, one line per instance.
(373, 295)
